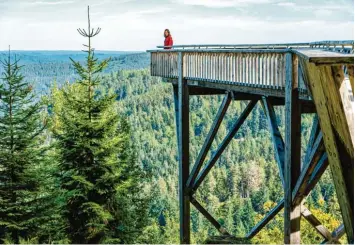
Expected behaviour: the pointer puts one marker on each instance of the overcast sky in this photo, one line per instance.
(139, 24)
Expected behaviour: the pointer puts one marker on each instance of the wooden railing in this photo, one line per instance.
(263, 68)
(344, 46)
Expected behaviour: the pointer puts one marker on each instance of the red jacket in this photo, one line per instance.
(168, 41)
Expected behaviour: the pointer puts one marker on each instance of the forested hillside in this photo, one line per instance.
(245, 182)
(41, 68)
(240, 189)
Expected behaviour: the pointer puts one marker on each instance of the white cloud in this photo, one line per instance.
(286, 4)
(131, 26)
(131, 17)
(51, 3)
(326, 8)
(221, 3)
(323, 12)
(152, 11)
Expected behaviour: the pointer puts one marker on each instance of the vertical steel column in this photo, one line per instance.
(183, 141)
(292, 214)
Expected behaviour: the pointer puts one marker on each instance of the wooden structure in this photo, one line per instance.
(305, 78)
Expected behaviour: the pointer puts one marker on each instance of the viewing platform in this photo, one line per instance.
(254, 69)
(316, 77)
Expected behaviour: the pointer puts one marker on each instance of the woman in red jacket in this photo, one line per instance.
(168, 42)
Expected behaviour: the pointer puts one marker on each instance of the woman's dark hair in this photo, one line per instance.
(167, 31)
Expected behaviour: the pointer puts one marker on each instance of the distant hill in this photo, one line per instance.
(34, 56)
(131, 61)
(42, 68)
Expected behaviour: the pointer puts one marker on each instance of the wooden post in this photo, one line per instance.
(183, 140)
(292, 214)
(351, 76)
(345, 105)
(336, 136)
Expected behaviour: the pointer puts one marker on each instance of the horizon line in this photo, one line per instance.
(68, 50)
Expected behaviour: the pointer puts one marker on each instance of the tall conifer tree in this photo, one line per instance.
(22, 151)
(96, 161)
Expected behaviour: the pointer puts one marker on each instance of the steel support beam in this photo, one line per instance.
(292, 214)
(279, 146)
(308, 168)
(224, 144)
(209, 139)
(336, 235)
(313, 135)
(183, 141)
(209, 217)
(269, 216)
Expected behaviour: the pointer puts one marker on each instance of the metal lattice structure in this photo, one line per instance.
(316, 77)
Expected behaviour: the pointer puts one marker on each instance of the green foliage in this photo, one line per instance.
(98, 171)
(241, 183)
(23, 206)
(132, 127)
(273, 234)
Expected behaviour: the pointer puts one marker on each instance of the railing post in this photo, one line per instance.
(183, 141)
(292, 214)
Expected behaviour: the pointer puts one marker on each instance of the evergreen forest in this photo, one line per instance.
(88, 154)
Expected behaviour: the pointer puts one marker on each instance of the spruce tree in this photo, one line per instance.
(96, 162)
(22, 151)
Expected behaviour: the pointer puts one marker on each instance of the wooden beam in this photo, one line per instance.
(292, 214)
(242, 92)
(351, 76)
(209, 217)
(344, 124)
(313, 135)
(183, 135)
(307, 108)
(336, 235)
(238, 87)
(279, 146)
(244, 96)
(322, 57)
(209, 139)
(193, 90)
(269, 216)
(224, 144)
(308, 169)
(317, 225)
(276, 101)
(176, 103)
(313, 180)
(332, 122)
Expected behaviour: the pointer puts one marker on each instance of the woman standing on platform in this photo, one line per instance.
(168, 42)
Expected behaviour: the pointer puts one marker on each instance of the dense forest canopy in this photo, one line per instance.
(241, 188)
(42, 68)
